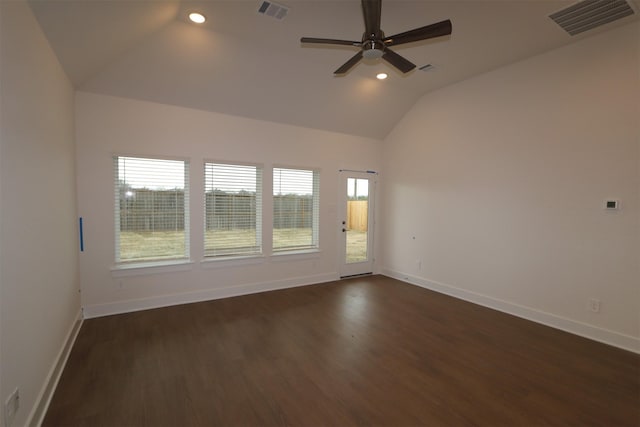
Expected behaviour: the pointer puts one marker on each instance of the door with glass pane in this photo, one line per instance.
(356, 223)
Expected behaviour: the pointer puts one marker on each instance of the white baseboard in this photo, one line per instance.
(615, 339)
(46, 393)
(119, 307)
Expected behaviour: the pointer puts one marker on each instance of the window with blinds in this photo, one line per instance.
(151, 209)
(296, 209)
(233, 209)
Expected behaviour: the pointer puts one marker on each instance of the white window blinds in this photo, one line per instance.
(233, 209)
(296, 209)
(151, 209)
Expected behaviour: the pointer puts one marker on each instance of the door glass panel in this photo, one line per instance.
(357, 220)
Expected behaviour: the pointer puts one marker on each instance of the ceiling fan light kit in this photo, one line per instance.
(372, 49)
(375, 45)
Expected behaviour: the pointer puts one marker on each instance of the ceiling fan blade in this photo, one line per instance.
(438, 29)
(349, 64)
(372, 9)
(398, 61)
(330, 41)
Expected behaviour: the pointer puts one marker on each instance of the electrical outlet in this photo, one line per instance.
(594, 305)
(11, 406)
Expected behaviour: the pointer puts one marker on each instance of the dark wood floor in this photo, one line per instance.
(367, 351)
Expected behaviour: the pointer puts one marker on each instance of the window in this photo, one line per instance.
(296, 209)
(151, 209)
(233, 209)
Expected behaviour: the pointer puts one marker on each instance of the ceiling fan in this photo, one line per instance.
(374, 44)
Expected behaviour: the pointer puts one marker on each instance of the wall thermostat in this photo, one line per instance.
(612, 204)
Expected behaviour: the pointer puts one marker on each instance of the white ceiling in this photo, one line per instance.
(246, 64)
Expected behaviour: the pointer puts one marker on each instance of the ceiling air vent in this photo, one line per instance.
(428, 67)
(273, 10)
(589, 14)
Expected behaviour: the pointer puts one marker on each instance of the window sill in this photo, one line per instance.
(295, 255)
(231, 261)
(144, 268)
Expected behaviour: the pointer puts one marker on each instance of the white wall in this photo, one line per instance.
(496, 186)
(109, 125)
(38, 236)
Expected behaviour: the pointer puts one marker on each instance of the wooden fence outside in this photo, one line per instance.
(358, 215)
(163, 210)
(151, 210)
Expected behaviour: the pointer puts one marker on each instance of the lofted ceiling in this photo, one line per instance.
(242, 63)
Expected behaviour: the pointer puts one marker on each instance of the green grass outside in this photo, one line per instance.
(157, 244)
(356, 246)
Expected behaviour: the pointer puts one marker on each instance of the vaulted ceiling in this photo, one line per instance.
(243, 63)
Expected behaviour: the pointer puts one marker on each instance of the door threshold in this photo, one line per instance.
(356, 275)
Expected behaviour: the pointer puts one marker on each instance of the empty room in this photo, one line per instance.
(315, 212)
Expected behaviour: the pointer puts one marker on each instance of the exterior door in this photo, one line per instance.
(356, 223)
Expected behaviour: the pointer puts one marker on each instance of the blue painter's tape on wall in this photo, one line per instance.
(81, 237)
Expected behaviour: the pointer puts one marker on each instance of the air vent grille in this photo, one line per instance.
(428, 67)
(589, 14)
(274, 10)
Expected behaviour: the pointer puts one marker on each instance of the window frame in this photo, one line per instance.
(315, 212)
(259, 208)
(132, 264)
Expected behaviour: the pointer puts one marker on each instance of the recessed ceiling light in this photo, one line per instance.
(381, 76)
(196, 17)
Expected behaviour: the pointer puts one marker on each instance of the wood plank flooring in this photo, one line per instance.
(365, 351)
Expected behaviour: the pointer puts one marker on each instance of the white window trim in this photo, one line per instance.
(315, 215)
(231, 261)
(151, 267)
(295, 255)
(222, 258)
(160, 263)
